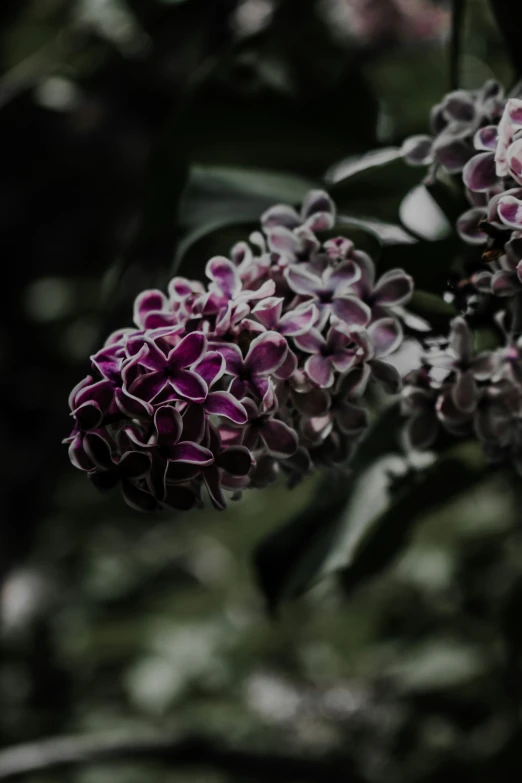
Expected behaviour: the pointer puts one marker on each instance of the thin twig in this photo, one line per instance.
(49, 754)
(457, 23)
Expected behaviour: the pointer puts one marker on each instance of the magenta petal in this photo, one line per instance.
(343, 276)
(148, 386)
(153, 358)
(147, 301)
(479, 173)
(233, 357)
(189, 351)
(189, 385)
(468, 226)
(266, 353)
(279, 438)
(100, 392)
(225, 275)
(351, 310)
(343, 360)
(289, 366)
(393, 288)
(189, 452)
(486, 138)
(452, 153)
(510, 211)
(310, 342)
(386, 336)
(320, 371)
(268, 311)
(132, 406)
(168, 424)
(301, 281)
(222, 403)
(211, 367)
(298, 321)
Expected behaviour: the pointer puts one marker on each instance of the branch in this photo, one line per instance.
(189, 751)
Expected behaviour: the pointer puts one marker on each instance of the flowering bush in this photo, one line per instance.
(479, 137)
(263, 369)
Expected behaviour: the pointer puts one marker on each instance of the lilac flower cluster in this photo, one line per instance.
(464, 393)
(261, 370)
(480, 137)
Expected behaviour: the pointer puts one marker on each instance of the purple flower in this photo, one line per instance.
(468, 368)
(336, 351)
(251, 374)
(330, 293)
(265, 431)
(170, 370)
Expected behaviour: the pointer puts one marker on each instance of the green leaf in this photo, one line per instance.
(290, 560)
(385, 537)
(223, 197)
(433, 309)
(375, 184)
(429, 263)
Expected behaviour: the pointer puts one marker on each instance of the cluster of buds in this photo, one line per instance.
(478, 136)
(261, 370)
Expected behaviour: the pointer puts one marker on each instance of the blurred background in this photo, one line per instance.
(142, 136)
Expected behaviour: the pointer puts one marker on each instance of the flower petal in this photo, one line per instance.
(461, 339)
(193, 453)
(351, 310)
(168, 424)
(225, 275)
(510, 211)
(88, 416)
(137, 497)
(134, 465)
(393, 288)
(301, 281)
(279, 438)
(146, 302)
(386, 336)
(418, 150)
(421, 430)
(211, 367)
(212, 479)
(148, 386)
(320, 370)
(189, 385)
(479, 173)
(505, 283)
(266, 353)
(78, 456)
(468, 226)
(189, 351)
(298, 321)
(387, 376)
(486, 138)
(222, 403)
